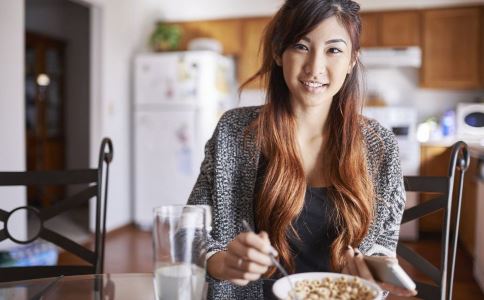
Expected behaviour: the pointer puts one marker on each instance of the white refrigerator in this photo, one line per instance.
(178, 99)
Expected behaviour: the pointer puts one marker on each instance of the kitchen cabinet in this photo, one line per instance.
(250, 58)
(369, 30)
(390, 29)
(482, 46)
(434, 162)
(451, 48)
(228, 32)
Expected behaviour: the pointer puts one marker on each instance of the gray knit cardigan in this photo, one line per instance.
(228, 177)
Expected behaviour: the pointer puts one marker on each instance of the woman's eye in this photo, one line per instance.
(300, 47)
(334, 50)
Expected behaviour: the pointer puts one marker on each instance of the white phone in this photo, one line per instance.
(388, 270)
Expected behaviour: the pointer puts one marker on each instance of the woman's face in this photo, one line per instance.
(316, 66)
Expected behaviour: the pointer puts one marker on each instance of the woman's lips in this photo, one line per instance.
(313, 86)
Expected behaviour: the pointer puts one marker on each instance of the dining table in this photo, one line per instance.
(116, 286)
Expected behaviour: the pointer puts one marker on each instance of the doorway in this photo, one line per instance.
(57, 95)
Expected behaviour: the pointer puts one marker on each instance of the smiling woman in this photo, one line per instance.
(321, 183)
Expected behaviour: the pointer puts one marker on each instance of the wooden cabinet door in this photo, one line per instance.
(251, 56)
(369, 30)
(451, 48)
(228, 32)
(400, 29)
(481, 51)
(44, 112)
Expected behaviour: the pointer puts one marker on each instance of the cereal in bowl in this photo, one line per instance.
(332, 288)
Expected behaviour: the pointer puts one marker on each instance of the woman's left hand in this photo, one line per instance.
(355, 265)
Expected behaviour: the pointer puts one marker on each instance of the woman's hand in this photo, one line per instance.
(246, 259)
(355, 265)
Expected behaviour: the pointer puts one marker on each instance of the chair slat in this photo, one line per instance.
(427, 291)
(68, 245)
(429, 184)
(48, 177)
(3, 215)
(25, 273)
(419, 262)
(423, 209)
(71, 202)
(3, 234)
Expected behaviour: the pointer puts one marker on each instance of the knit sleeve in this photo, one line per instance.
(392, 192)
(202, 192)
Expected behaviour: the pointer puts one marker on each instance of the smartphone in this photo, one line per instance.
(388, 270)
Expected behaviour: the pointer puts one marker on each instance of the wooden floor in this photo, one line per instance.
(129, 250)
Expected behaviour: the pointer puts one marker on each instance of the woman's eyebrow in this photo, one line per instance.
(305, 38)
(336, 41)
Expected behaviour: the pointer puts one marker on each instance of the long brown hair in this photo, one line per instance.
(281, 195)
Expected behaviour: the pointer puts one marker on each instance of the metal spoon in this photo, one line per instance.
(274, 260)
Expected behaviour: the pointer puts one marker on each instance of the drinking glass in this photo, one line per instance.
(179, 247)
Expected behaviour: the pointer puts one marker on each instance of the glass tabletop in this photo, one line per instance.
(103, 286)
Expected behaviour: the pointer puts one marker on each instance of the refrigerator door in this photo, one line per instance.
(166, 160)
(168, 79)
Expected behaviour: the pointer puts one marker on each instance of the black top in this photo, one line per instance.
(316, 232)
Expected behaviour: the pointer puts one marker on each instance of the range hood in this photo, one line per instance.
(391, 57)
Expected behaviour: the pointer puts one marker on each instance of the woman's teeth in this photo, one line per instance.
(313, 84)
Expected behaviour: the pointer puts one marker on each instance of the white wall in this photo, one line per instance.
(120, 29)
(12, 126)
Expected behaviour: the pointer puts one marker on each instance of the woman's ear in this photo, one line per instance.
(353, 63)
(278, 60)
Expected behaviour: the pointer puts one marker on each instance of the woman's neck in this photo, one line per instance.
(310, 122)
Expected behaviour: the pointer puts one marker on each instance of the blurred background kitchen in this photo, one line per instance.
(73, 71)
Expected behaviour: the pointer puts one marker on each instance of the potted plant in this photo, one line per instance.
(165, 37)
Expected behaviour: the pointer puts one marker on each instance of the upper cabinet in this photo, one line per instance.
(452, 42)
(481, 51)
(390, 29)
(228, 32)
(370, 30)
(451, 47)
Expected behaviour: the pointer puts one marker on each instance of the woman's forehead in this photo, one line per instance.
(328, 30)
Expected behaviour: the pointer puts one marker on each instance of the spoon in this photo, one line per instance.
(273, 259)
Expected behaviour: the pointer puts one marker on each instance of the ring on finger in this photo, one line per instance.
(240, 261)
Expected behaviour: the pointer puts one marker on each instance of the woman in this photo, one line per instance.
(321, 183)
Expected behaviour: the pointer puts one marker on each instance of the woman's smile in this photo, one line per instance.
(314, 87)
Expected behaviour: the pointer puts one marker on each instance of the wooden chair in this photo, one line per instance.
(97, 181)
(442, 277)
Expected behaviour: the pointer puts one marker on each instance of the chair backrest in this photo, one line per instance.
(97, 181)
(443, 186)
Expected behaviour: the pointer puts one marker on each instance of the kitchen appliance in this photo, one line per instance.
(402, 121)
(470, 122)
(391, 57)
(179, 97)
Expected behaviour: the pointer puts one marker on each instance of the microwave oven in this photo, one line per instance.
(470, 121)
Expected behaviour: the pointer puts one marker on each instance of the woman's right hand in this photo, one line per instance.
(246, 259)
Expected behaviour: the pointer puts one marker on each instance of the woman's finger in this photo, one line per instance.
(235, 262)
(345, 270)
(361, 266)
(256, 241)
(241, 250)
(350, 264)
(265, 237)
(396, 290)
(238, 274)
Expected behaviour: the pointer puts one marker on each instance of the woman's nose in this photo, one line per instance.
(315, 66)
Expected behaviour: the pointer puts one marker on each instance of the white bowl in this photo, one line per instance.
(282, 287)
